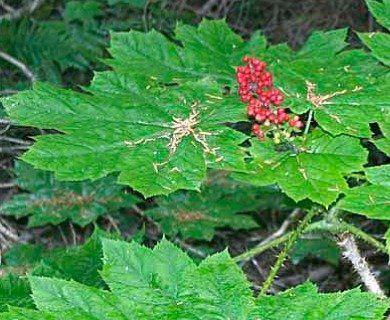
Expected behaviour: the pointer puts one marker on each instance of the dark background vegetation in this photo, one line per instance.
(62, 42)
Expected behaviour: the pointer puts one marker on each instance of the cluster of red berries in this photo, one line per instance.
(256, 89)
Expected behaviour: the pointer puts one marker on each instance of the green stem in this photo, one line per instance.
(309, 118)
(344, 226)
(337, 227)
(283, 255)
(261, 248)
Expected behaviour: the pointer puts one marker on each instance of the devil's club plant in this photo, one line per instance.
(164, 283)
(170, 109)
(161, 127)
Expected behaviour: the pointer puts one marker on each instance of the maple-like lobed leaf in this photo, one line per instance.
(341, 88)
(313, 169)
(159, 118)
(145, 119)
(163, 283)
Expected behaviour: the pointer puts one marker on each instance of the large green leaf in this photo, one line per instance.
(159, 117)
(372, 200)
(50, 201)
(304, 302)
(196, 215)
(164, 283)
(143, 119)
(313, 169)
(339, 87)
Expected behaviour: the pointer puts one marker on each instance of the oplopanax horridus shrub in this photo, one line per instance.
(164, 283)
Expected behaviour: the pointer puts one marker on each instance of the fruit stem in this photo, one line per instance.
(308, 121)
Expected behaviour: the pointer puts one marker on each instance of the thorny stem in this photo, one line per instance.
(270, 239)
(352, 253)
(340, 227)
(364, 236)
(336, 226)
(261, 248)
(283, 255)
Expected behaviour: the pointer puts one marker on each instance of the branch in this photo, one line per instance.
(7, 185)
(18, 64)
(8, 91)
(12, 13)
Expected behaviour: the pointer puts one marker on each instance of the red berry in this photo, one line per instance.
(261, 136)
(256, 128)
(283, 117)
(251, 111)
(260, 117)
(272, 118)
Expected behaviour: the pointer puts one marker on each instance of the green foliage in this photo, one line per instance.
(135, 3)
(161, 127)
(371, 200)
(324, 249)
(197, 214)
(165, 113)
(78, 263)
(23, 255)
(304, 302)
(154, 149)
(51, 47)
(314, 168)
(379, 42)
(14, 291)
(339, 86)
(164, 283)
(50, 201)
